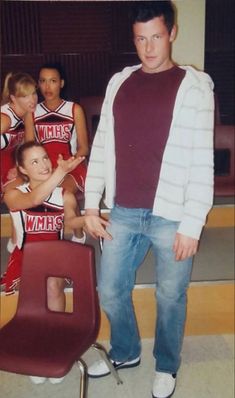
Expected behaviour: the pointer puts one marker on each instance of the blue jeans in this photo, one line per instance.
(133, 232)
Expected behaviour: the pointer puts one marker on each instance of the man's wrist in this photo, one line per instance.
(92, 212)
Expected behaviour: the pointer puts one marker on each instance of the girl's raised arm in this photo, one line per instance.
(17, 200)
(29, 132)
(5, 123)
(81, 128)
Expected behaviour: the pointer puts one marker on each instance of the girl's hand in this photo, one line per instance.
(12, 174)
(70, 164)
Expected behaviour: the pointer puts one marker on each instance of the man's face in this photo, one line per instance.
(153, 44)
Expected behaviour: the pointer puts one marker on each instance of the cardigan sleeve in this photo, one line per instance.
(199, 189)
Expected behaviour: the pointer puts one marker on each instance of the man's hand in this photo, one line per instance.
(96, 225)
(70, 164)
(184, 247)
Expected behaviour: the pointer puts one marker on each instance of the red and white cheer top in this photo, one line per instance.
(10, 140)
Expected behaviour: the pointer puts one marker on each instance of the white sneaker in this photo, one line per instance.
(164, 385)
(56, 380)
(81, 240)
(100, 369)
(37, 379)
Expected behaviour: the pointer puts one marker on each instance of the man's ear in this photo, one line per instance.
(173, 33)
(62, 83)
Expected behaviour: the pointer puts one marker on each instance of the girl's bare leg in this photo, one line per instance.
(69, 184)
(55, 294)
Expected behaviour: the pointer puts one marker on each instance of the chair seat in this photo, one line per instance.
(21, 353)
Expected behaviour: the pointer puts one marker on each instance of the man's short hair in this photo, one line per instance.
(144, 11)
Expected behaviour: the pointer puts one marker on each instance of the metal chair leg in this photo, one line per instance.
(103, 353)
(83, 378)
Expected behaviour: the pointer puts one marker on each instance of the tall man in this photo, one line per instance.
(153, 156)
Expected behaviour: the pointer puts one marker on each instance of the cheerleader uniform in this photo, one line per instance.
(56, 130)
(10, 140)
(43, 222)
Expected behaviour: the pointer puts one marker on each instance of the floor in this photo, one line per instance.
(207, 371)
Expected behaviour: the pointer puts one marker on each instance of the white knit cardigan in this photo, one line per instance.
(185, 188)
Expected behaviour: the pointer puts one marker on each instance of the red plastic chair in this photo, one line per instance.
(40, 342)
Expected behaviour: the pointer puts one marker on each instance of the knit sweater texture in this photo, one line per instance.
(185, 188)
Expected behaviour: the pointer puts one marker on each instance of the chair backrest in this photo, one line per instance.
(63, 259)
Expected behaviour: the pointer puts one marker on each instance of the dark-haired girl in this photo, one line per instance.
(60, 126)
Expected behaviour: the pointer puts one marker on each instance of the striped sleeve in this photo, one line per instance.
(199, 190)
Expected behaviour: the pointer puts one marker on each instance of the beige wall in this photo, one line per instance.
(188, 48)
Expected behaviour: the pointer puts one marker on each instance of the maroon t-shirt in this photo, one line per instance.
(143, 109)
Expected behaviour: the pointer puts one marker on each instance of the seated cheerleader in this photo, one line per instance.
(19, 97)
(40, 197)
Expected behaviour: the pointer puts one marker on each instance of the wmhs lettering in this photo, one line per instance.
(55, 131)
(43, 223)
